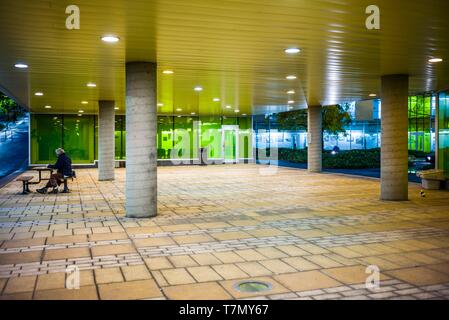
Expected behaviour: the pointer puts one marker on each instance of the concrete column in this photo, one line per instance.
(394, 141)
(141, 153)
(106, 140)
(314, 139)
(437, 130)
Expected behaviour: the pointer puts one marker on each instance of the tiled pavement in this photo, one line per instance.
(310, 235)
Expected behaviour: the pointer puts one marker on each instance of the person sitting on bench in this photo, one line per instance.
(64, 169)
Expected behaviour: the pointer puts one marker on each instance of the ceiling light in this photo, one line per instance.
(39, 94)
(291, 92)
(292, 50)
(91, 85)
(193, 113)
(198, 88)
(167, 72)
(216, 99)
(110, 38)
(80, 111)
(179, 116)
(236, 111)
(80, 115)
(435, 60)
(178, 109)
(84, 102)
(373, 95)
(47, 107)
(21, 65)
(291, 77)
(116, 108)
(291, 101)
(160, 104)
(244, 114)
(228, 107)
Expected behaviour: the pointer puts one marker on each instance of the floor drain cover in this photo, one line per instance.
(252, 286)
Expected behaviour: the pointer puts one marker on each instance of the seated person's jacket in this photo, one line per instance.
(63, 165)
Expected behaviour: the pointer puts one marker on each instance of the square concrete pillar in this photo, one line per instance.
(394, 138)
(106, 140)
(314, 139)
(141, 129)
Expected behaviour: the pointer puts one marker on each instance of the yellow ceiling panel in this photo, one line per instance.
(232, 49)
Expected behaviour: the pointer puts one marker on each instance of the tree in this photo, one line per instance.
(336, 118)
(8, 106)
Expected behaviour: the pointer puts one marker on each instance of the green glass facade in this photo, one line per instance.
(175, 137)
(443, 127)
(73, 133)
(421, 123)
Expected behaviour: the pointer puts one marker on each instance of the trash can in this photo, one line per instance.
(203, 156)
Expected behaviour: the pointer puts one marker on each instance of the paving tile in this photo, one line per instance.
(51, 281)
(300, 264)
(204, 274)
(307, 280)
(22, 257)
(59, 254)
(228, 257)
(250, 255)
(19, 285)
(157, 263)
(197, 291)
(177, 276)
(133, 273)
(420, 276)
(277, 266)
(130, 290)
(108, 275)
(254, 269)
(198, 238)
(182, 261)
(323, 261)
(205, 259)
(351, 275)
(106, 250)
(231, 235)
(229, 271)
(154, 242)
(271, 253)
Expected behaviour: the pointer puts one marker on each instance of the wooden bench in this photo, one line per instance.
(26, 181)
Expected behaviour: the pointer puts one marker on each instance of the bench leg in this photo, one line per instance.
(28, 187)
(24, 187)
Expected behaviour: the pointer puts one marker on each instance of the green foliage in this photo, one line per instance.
(335, 118)
(353, 159)
(8, 105)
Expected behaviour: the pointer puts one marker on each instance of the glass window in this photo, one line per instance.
(164, 137)
(443, 126)
(46, 137)
(79, 138)
(211, 136)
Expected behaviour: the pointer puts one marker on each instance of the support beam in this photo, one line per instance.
(106, 140)
(314, 139)
(141, 128)
(394, 138)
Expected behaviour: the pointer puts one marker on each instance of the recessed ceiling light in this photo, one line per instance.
(216, 99)
(80, 111)
(178, 109)
(192, 113)
(290, 77)
(84, 102)
(373, 95)
(198, 88)
(228, 107)
(110, 38)
(80, 115)
(236, 111)
(167, 72)
(47, 107)
(160, 104)
(116, 108)
(39, 94)
(91, 85)
(21, 65)
(435, 60)
(179, 116)
(244, 114)
(291, 101)
(292, 50)
(291, 92)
